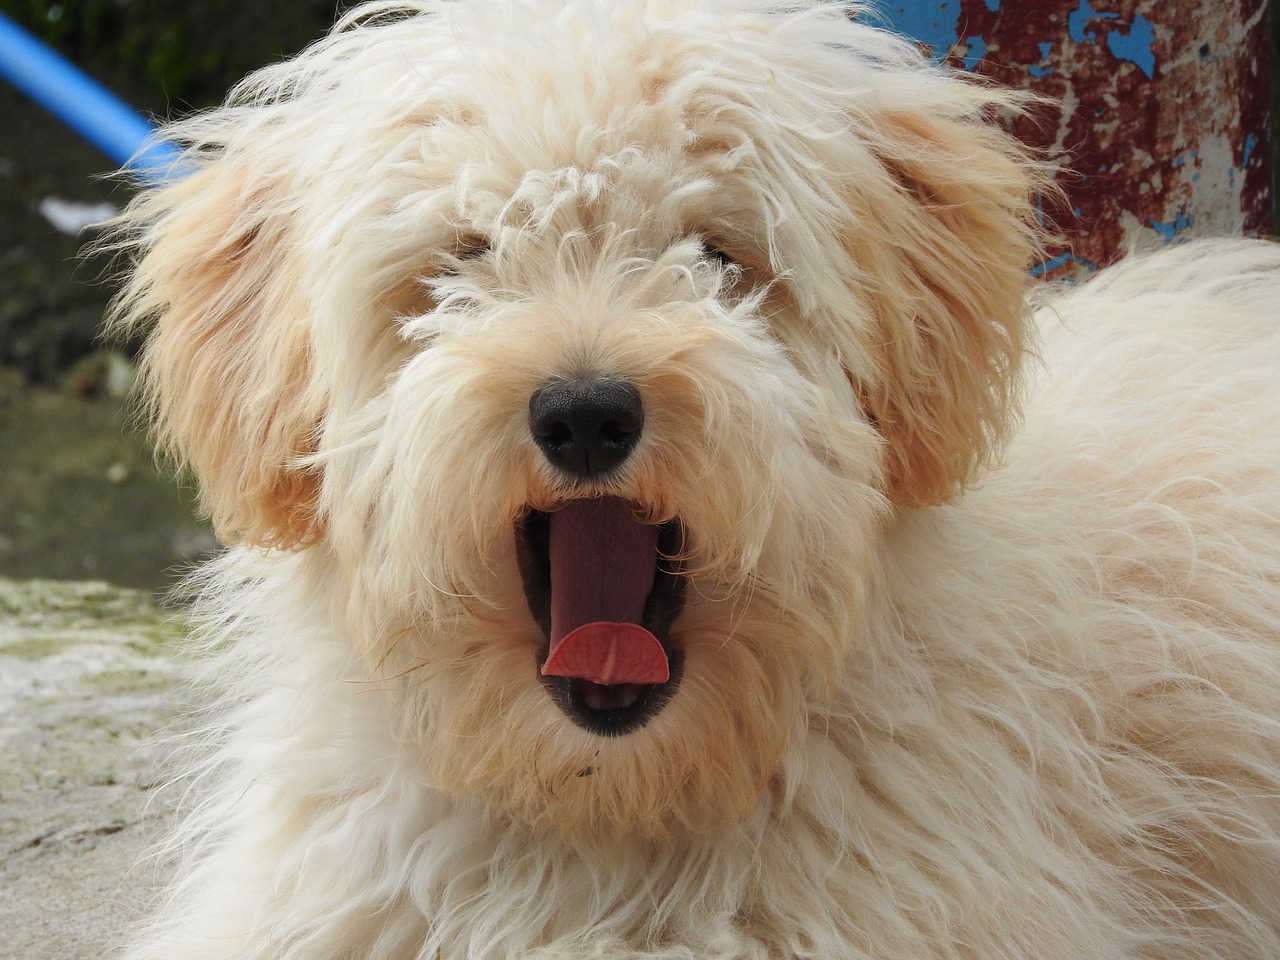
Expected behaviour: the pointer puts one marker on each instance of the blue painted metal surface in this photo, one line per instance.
(932, 22)
(83, 104)
(1165, 108)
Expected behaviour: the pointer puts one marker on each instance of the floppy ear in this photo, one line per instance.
(946, 265)
(226, 371)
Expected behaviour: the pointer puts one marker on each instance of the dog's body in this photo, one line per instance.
(940, 649)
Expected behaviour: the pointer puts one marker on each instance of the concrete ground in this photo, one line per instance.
(88, 678)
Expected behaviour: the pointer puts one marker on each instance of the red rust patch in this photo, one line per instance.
(1164, 113)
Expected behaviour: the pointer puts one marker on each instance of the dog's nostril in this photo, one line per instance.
(556, 434)
(586, 427)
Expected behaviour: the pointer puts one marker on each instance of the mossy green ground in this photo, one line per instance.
(81, 497)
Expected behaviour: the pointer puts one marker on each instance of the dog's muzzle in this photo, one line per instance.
(603, 586)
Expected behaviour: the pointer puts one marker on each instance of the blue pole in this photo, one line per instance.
(83, 104)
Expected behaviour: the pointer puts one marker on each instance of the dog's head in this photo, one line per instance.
(588, 345)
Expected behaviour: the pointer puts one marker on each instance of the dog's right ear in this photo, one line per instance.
(227, 376)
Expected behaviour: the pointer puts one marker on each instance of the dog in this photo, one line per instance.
(665, 520)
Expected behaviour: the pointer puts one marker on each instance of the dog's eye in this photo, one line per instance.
(712, 252)
(471, 247)
(468, 248)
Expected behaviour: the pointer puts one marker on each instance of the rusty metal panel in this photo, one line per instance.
(1165, 108)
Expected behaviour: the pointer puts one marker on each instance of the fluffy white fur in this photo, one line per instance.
(982, 632)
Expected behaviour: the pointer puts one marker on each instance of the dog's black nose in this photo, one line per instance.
(586, 427)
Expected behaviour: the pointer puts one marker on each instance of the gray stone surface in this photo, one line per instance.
(88, 679)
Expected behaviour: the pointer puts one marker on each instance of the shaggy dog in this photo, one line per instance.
(662, 528)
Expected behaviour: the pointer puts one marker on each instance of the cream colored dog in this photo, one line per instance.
(664, 530)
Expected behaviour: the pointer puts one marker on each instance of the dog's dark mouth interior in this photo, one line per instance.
(605, 589)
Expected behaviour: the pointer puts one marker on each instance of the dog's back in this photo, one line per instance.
(1099, 623)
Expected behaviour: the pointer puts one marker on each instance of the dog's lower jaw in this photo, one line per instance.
(598, 797)
(612, 710)
(697, 767)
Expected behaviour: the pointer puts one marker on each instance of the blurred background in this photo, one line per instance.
(80, 496)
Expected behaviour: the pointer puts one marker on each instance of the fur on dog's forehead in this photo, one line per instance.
(688, 106)
(583, 71)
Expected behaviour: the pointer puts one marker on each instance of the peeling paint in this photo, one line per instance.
(1250, 142)
(936, 23)
(1079, 17)
(1036, 69)
(1135, 46)
(1170, 231)
(1164, 108)
(976, 50)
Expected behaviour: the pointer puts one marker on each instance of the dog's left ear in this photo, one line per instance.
(953, 233)
(228, 380)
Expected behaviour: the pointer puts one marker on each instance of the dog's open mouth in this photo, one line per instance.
(605, 589)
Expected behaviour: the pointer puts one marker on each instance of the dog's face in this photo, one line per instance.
(587, 346)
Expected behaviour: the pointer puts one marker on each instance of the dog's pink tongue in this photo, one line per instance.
(602, 569)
